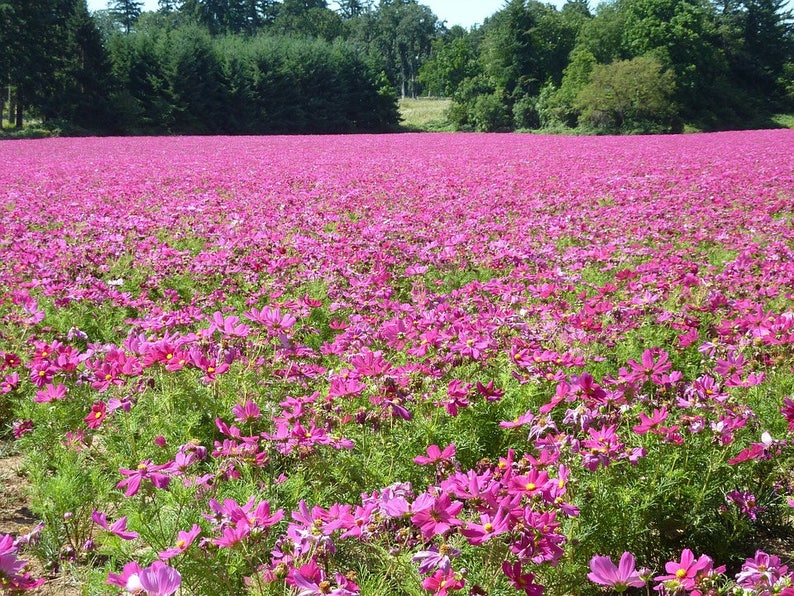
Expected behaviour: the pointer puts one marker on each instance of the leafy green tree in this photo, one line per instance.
(231, 16)
(450, 62)
(634, 94)
(602, 36)
(557, 105)
(309, 19)
(682, 34)
(507, 53)
(403, 33)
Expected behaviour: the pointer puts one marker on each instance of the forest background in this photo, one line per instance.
(299, 66)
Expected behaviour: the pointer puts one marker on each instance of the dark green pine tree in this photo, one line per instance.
(81, 80)
(767, 42)
(30, 35)
(167, 6)
(126, 13)
(353, 8)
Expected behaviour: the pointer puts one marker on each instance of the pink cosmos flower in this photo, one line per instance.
(311, 581)
(436, 557)
(435, 454)
(603, 571)
(246, 412)
(520, 580)
(184, 540)
(271, 318)
(96, 415)
(527, 418)
(441, 582)
(50, 393)
(159, 579)
(118, 528)
(761, 573)
(746, 503)
(145, 471)
(489, 527)
(653, 364)
(788, 412)
(649, 423)
(682, 573)
(21, 427)
(228, 326)
(435, 515)
(13, 577)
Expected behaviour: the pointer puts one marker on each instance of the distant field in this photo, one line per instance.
(425, 113)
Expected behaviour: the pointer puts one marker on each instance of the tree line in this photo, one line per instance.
(627, 66)
(262, 66)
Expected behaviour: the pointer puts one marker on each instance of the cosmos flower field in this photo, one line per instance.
(401, 364)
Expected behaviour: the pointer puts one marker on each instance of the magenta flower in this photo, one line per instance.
(761, 573)
(246, 412)
(746, 503)
(788, 412)
(435, 515)
(681, 574)
(435, 454)
(144, 471)
(159, 579)
(653, 364)
(96, 415)
(491, 526)
(649, 423)
(13, 577)
(50, 393)
(119, 527)
(184, 540)
(128, 576)
(603, 571)
(441, 582)
(520, 580)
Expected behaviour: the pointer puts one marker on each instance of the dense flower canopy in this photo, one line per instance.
(429, 346)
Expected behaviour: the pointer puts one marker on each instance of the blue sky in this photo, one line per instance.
(455, 12)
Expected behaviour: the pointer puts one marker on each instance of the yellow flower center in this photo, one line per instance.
(681, 573)
(530, 486)
(180, 544)
(488, 527)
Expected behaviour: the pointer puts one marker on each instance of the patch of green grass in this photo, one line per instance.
(425, 114)
(784, 120)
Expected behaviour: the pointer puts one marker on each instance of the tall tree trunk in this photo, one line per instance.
(18, 123)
